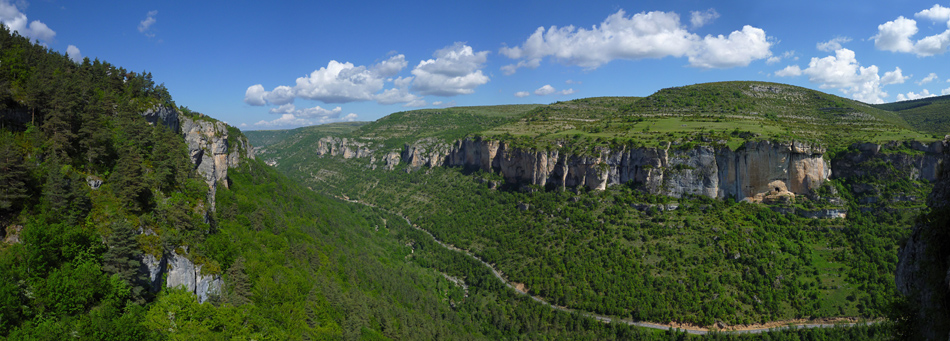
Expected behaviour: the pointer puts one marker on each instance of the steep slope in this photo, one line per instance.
(923, 273)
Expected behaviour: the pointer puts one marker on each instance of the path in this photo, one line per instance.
(607, 319)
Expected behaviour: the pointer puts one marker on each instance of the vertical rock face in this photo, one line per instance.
(163, 115)
(923, 269)
(923, 162)
(749, 173)
(208, 146)
(182, 272)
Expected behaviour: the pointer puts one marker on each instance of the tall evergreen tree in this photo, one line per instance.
(122, 258)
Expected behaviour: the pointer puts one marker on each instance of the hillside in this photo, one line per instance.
(577, 200)
(929, 115)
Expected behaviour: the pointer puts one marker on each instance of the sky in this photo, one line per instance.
(276, 65)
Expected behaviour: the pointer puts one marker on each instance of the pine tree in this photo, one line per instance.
(122, 258)
(13, 176)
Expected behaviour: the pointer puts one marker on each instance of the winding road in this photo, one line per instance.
(608, 319)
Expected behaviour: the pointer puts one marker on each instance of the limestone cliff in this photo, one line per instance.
(761, 171)
(178, 270)
(213, 152)
(752, 172)
(208, 146)
(923, 269)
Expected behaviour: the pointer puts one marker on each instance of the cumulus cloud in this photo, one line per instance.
(314, 112)
(739, 49)
(833, 44)
(789, 71)
(700, 19)
(936, 14)
(290, 116)
(455, 70)
(895, 35)
(16, 21)
(842, 71)
(640, 36)
(146, 24)
(930, 78)
(545, 90)
(399, 94)
(894, 77)
(912, 96)
(254, 95)
(945, 91)
(74, 53)
(341, 83)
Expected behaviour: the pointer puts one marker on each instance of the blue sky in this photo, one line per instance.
(263, 65)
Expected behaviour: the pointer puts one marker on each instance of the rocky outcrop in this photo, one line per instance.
(163, 115)
(347, 148)
(913, 160)
(208, 146)
(923, 269)
(179, 271)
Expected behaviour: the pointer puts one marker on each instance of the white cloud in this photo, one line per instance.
(894, 77)
(290, 116)
(912, 96)
(930, 78)
(522, 94)
(280, 95)
(456, 70)
(640, 36)
(316, 111)
(399, 94)
(700, 19)
(285, 120)
(391, 66)
(339, 83)
(739, 49)
(895, 36)
(545, 90)
(146, 25)
(74, 53)
(16, 21)
(833, 44)
(945, 91)
(255, 95)
(936, 14)
(842, 71)
(786, 55)
(789, 71)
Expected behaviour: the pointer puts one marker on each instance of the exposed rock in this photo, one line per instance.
(871, 159)
(94, 182)
(178, 270)
(12, 235)
(923, 267)
(827, 213)
(163, 115)
(208, 146)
